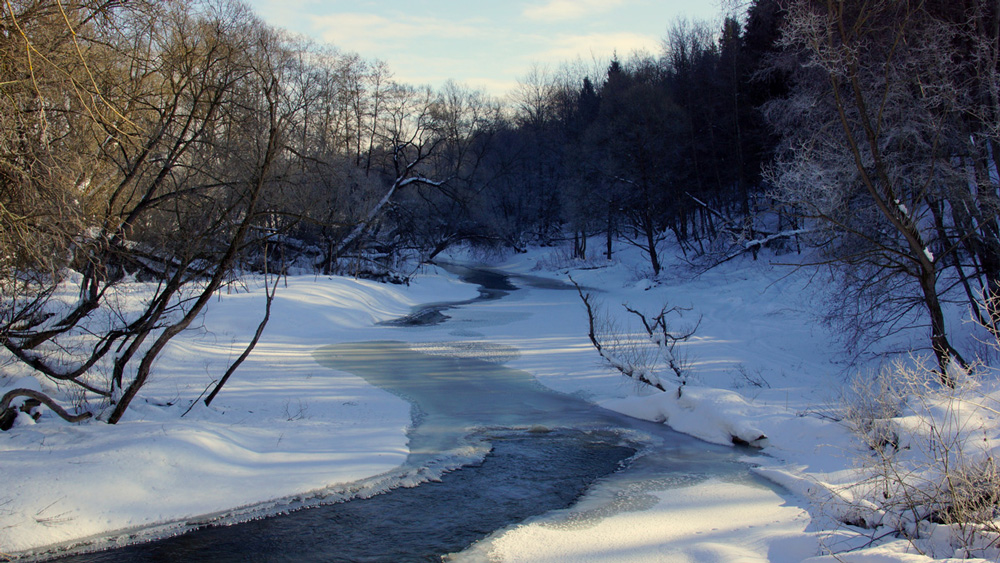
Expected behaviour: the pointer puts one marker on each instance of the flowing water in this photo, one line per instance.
(518, 450)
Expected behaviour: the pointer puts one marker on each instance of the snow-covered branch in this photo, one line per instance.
(399, 183)
(758, 243)
(666, 340)
(631, 363)
(8, 413)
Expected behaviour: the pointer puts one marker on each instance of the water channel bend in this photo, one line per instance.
(524, 450)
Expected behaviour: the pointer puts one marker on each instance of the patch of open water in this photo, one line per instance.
(489, 447)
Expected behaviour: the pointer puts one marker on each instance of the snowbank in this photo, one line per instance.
(765, 371)
(284, 428)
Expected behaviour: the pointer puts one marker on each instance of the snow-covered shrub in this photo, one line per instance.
(870, 404)
(930, 458)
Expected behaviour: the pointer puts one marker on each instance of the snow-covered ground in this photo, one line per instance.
(285, 426)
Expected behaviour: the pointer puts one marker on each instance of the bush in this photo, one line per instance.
(930, 463)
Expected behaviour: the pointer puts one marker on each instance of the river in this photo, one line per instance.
(521, 450)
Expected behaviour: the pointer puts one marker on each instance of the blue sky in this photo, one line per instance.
(484, 44)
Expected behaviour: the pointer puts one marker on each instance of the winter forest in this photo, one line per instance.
(185, 146)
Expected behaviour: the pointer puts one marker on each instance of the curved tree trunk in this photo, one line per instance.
(8, 414)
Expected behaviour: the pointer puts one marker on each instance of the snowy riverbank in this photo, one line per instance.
(762, 363)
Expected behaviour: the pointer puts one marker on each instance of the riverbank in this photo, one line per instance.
(283, 426)
(762, 363)
(286, 426)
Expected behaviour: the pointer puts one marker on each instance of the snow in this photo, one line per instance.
(283, 427)
(286, 429)
(707, 522)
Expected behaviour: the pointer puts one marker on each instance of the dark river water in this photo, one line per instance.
(524, 451)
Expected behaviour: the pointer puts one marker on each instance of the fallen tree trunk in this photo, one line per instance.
(8, 413)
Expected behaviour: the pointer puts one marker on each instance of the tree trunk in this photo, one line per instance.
(609, 234)
(943, 350)
(654, 259)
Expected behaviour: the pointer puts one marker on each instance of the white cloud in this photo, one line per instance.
(482, 48)
(423, 50)
(371, 34)
(569, 47)
(560, 10)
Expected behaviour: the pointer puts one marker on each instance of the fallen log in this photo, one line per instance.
(8, 413)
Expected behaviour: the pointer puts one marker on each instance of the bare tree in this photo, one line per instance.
(434, 217)
(186, 140)
(869, 147)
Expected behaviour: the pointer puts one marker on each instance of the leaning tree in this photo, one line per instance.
(152, 134)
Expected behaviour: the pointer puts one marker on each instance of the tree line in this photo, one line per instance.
(175, 145)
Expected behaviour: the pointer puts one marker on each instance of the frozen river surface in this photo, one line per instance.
(525, 452)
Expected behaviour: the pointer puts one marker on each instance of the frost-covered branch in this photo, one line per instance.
(624, 367)
(631, 363)
(666, 340)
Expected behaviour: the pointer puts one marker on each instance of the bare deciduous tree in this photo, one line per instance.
(875, 152)
(185, 137)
